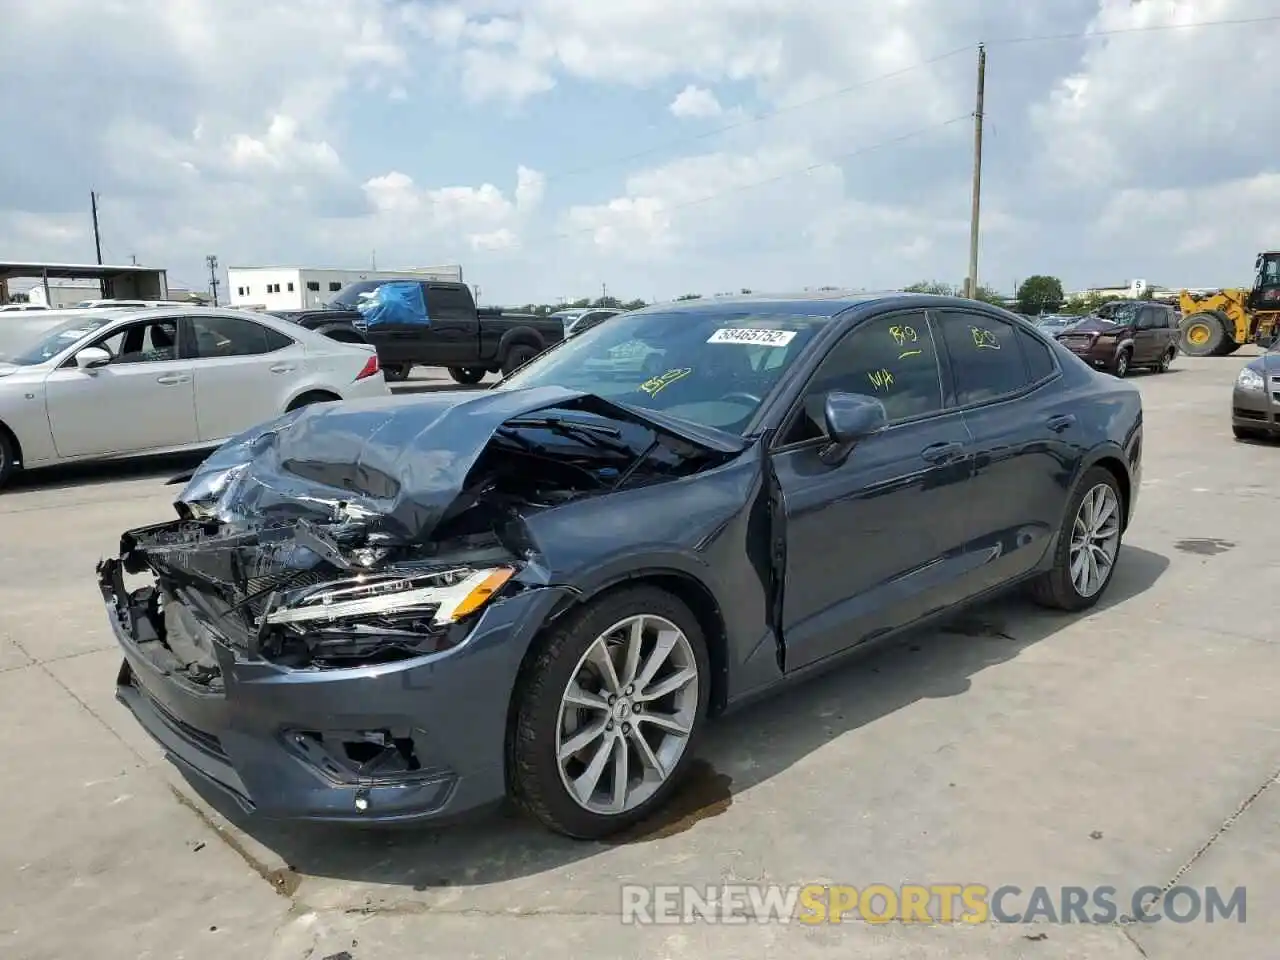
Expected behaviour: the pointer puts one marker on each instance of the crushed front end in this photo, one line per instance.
(332, 627)
(307, 687)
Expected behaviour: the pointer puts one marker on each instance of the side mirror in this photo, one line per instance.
(90, 358)
(850, 419)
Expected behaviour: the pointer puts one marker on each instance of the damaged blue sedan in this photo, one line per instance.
(406, 609)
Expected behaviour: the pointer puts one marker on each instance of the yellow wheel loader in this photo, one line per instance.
(1219, 323)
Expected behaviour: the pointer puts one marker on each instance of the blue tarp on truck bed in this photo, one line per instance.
(395, 302)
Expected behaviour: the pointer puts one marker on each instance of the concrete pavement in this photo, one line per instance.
(1009, 747)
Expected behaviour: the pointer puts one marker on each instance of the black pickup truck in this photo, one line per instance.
(430, 323)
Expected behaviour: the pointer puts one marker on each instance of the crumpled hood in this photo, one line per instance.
(396, 463)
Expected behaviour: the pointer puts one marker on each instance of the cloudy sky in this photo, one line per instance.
(656, 146)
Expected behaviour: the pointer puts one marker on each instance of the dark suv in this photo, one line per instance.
(1124, 335)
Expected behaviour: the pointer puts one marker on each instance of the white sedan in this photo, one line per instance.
(120, 383)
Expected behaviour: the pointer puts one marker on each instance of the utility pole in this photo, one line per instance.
(133, 259)
(972, 282)
(97, 237)
(212, 261)
(373, 262)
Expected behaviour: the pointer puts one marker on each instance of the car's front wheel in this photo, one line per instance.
(1088, 545)
(8, 458)
(1121, 367)
(607, 713)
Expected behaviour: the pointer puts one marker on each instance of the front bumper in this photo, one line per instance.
(279, 741)
(1257, 409)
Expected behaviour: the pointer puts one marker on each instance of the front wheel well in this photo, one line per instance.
(13, 441)
(688, 590)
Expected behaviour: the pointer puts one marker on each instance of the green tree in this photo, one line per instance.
(931, 286)
(1039, 294)
(1081, 306)
(989, 295)
(610, 303)
(636, 304)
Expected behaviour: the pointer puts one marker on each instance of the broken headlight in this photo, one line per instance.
(436, 598)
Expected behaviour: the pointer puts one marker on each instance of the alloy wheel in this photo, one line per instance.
(1095, 539)
(1122, 364)
(626, 714)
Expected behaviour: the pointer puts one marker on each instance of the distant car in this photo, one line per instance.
(1255, 399)
(1124, 335)
(1054, 323)
(21, 307)
(107, 384)
(403, 611)
(110, 304)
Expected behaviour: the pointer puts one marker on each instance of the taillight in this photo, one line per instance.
(369, 369)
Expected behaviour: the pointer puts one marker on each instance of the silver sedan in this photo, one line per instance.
(118, 383)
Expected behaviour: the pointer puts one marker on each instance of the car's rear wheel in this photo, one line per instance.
(467, 375)
(1166, 360)
(608, 711)
(1121, 366)
(397, 372)
(517, 357)
(1088, 545)
(313, 396)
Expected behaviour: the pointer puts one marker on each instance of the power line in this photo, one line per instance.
(902, 71)
(761, 117)
(755, 184)
(1149, 28)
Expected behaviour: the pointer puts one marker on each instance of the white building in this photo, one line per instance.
(302, 288)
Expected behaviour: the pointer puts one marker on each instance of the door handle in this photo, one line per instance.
(1061, 422)
(942, 452)
(281, 368)
(171, 378)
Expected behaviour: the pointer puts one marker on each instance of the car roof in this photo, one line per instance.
(820, 303)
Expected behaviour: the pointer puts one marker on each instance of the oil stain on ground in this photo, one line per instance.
(703, 793)
(1209, 547)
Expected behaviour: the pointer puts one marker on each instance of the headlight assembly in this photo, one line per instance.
(1249, 379)
(441, 597)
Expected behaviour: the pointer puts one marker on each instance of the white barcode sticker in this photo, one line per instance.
(752, 337)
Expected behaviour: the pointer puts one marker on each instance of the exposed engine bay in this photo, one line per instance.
(367, 533)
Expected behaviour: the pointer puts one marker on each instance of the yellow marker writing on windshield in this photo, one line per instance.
(654, 384)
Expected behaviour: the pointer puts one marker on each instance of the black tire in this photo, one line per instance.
(517, 357)
(8, 458)
(396, 373)
(1248, 433)
(533, 767)
(1054, 588)
(467, 375)
(314, 396)
(1203, 334)
(1166, 360)
(1121, 367)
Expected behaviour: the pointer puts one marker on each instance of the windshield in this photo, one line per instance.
(56, 339)
(349, 297)
(709, 367)
(1126, 313)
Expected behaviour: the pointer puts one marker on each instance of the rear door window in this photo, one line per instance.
(986, 356)
(449, 303)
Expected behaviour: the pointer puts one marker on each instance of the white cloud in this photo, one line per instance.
(694, 102)
(277, 131)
